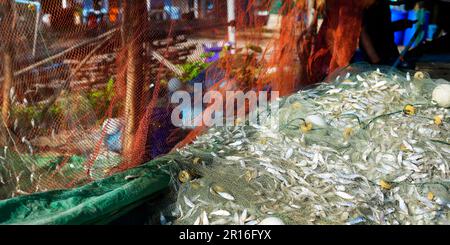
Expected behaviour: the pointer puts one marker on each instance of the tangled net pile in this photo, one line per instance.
(88, 96)
(372, 150)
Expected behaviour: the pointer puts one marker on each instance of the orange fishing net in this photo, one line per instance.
(86, 87)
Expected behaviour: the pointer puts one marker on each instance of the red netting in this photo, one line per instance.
(86, 85)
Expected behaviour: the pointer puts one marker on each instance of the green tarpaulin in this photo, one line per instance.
(99, 202)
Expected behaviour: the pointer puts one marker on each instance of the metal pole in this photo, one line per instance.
(310, 12)
(203, 8)
(231, 23)
(37, 5)
(36, 28)
(196, 13)
(149, 9)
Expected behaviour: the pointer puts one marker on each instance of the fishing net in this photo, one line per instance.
(64, 100)
(367, 147)
(86, 100)
(86, 85)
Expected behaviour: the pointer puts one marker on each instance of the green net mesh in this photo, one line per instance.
(364, 159)
(86, 109)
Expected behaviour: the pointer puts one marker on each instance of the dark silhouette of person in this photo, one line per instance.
(377, 35)
(440, 45)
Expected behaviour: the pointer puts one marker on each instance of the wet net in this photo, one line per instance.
(86, 85)
(87, 113)
(367, 147)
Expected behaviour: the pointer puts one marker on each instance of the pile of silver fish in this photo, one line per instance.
(368, 148)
